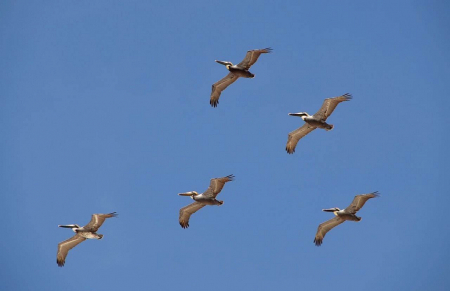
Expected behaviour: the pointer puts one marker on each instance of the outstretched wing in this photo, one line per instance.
(252, 56)
(219, 86)
(296, 135)
(65, 246)
(97, 221)
(187, 211)
(359, 201)
(329, 105)
(216, 185)
(326, 227)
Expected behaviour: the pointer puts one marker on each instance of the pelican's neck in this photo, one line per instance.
(336, 212)
(76, 229)
(305, 116)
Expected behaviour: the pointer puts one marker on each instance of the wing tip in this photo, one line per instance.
(184, 225)
(214, 103)
(347, 96)
(290, 150)
(266, 50)
(231, 177)
(60, 262)
(318, 241)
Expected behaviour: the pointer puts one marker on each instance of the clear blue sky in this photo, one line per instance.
(105, 107)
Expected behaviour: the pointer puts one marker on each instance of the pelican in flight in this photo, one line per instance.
(81, 234)
(236, 71)
(314, 121)
(206, 198)
(348, 213)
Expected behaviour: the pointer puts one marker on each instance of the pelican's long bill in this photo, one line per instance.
(188, 193)
(69, 226)
(299, 114)
(330, 210)
(224, 63)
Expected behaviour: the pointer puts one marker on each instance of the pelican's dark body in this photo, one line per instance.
(238, 71)
(88, 234)
(207, 200)
(320, 123)
(344, 214)
(83, 232)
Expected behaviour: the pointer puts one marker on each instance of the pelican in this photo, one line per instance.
(348, 213)
(82, 233)
(236, 71)
(315, 121)
(206, 198)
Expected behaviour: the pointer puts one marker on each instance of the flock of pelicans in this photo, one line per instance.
(318, 120)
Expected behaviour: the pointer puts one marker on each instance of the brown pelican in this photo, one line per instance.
(236, 71)
(348, 213)
(315, 121)
(206, 198)
(82, 233)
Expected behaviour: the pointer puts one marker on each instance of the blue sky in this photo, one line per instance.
(105, 107)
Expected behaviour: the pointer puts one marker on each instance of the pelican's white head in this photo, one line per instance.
(226, 64)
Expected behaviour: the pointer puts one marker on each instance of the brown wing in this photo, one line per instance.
(359, 201)
(187, 211)
(252, 56)
(296, 135)
(216, 185)
(65, 246)
(219, 86)
(329, 105)
(97, 221)
(326, 227)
